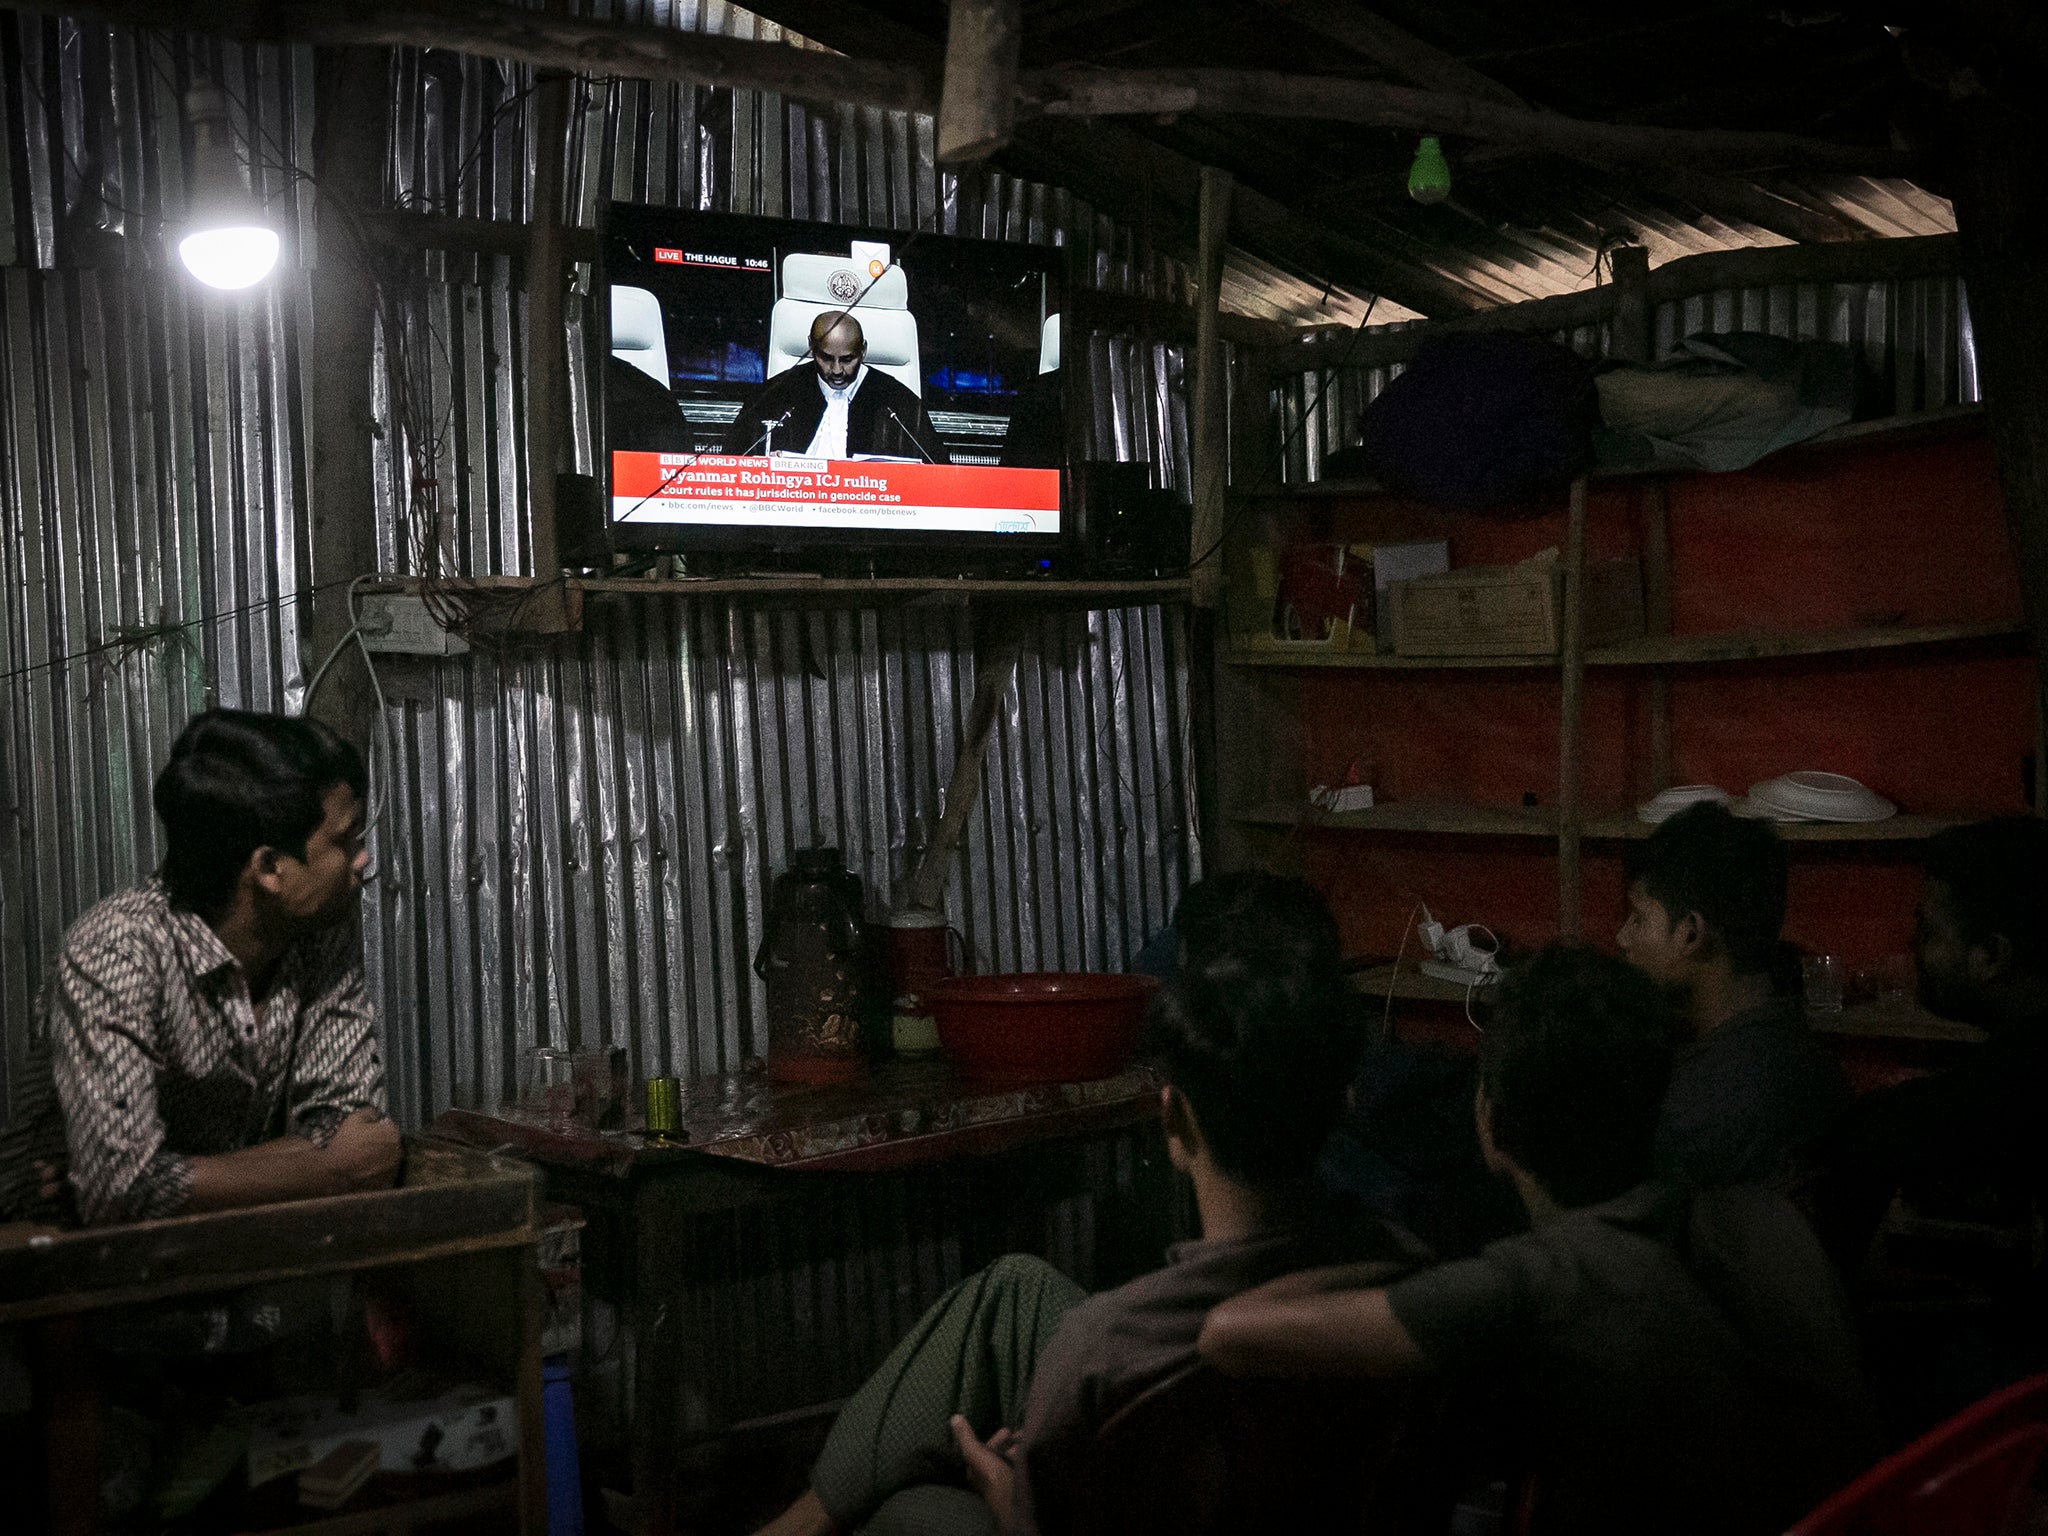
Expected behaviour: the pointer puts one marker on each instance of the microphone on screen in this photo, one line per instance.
(766, 428)
(911, 435)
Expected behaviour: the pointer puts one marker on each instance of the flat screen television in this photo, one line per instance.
(779, 385)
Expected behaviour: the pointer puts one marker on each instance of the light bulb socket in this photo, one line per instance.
(218, 181)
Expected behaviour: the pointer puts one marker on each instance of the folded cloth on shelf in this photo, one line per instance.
(1723, 401)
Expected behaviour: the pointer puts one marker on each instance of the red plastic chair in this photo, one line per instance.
(1969, 1477)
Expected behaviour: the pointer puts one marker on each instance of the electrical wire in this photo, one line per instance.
(164, 631)
(378, 783)
(1328, 371)
(1394, 976)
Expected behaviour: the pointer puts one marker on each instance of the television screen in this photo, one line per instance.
(772, 383)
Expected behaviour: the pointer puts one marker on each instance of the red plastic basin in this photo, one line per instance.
(1040, 1028)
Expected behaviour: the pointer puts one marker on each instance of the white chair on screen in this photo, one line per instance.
(637, 334)
(1049, 345)
(814, 285)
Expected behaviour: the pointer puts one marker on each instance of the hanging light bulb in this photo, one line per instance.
(228, 243)
(1429, 178)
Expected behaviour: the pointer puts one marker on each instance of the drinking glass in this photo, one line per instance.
(547, 1087)
(1823, 977)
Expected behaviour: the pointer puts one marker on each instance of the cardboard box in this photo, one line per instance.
(417, 1425)
(1514, 610)
(1393, 563)
(1258, 593)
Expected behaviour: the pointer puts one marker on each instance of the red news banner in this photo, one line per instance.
(791, 492)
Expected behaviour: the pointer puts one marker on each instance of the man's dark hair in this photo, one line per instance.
(1215, 910)
(1730, 871)
(238, 781)
(1574, 1066)
(1257, 1029)
(1997, 877)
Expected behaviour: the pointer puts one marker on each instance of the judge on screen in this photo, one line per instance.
(835, 406)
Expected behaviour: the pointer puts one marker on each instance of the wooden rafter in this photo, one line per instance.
(1370, 35)
(1079, 92)
(1420, 62)
(638, 51)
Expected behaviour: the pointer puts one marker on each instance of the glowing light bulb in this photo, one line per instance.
(234, 256)
(1429, 178)
(227, 243)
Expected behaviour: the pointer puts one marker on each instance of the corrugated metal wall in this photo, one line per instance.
(588, 834)
(151, 464)
(580, 839)
(1912, 337)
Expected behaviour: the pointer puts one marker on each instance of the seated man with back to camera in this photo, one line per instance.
(1019, 1403)
(1753, 1091)
(204, 1041)
(834, 406)
(1668, 1361)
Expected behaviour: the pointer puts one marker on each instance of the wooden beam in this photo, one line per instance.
(627, 50)
(633, 50)
(1089, 92)
(352, 98)
(1210, 426)
(1710, 272)
(993, 671)
(978, 104)
(1370, 35)
(1999, 154)
(547, 363)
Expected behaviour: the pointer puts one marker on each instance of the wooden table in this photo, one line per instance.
(754, 1142)
(458, 1233)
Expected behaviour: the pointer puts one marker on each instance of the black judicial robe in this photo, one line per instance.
(883, 417)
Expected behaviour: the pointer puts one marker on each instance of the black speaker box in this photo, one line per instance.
(1128, 526)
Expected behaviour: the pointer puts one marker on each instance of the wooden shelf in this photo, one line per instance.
(1444, 819)
(882, 590)
(1941, 420)
(1865, 1022)
(1731, 648)
(1876, 1021)
(1409, 983)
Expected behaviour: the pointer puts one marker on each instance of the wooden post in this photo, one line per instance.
(1209, 427)
(1657, 620)
(978, 102)
(1631, 339)
(1571, 741)
(546, 332)
(992, 674)
(352, 96)
(1999, 157)
(1252, 441)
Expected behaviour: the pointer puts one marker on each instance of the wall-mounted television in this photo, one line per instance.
(776, 384)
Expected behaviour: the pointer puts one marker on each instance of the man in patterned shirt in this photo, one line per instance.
(204, 1042)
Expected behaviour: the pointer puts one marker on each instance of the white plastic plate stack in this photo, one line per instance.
(1810, 795)
(1667, 803)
